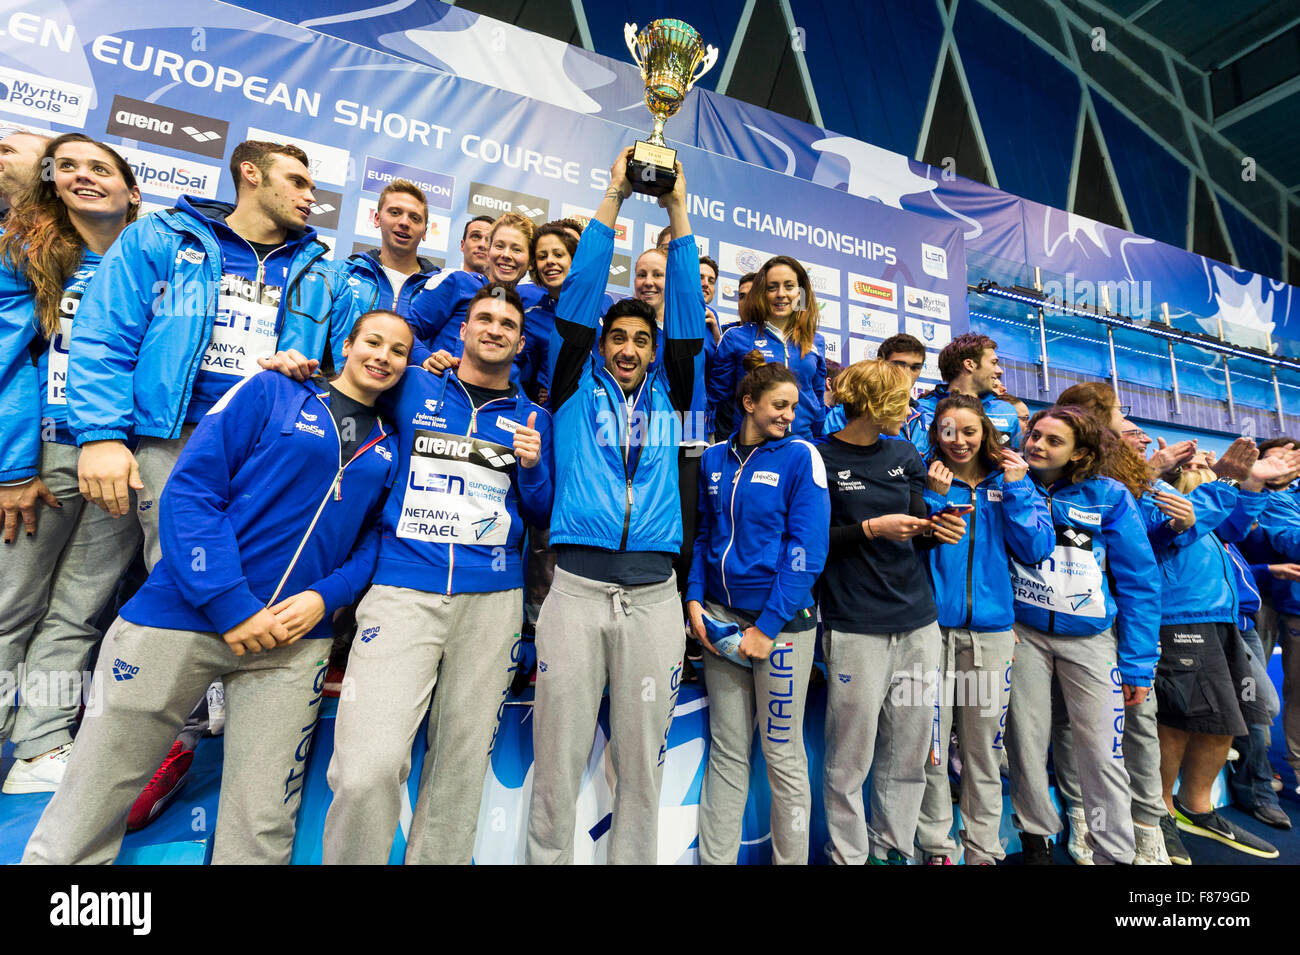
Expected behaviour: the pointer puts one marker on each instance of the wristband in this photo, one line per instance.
(871, 534)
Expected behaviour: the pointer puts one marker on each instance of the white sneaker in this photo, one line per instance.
(1149, 846)
(216, 708)
(1078, 846)
(40, 775)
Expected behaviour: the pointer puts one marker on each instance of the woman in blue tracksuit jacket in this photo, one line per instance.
(973, 592)
(55, 577)
(1093, 600)
(780, 322)
(270, 524)
(762, 541)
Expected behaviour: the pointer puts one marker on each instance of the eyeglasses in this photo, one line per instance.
(1133, 433)
(1125, 409)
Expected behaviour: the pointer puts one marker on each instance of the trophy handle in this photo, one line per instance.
(710, 57)
(629, 37)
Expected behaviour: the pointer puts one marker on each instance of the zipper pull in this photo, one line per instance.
(630, 500)
(338, 485)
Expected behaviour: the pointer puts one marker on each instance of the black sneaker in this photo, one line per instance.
(1213, 826)
(1272, 816)
(1037, 850)
(1174, 847)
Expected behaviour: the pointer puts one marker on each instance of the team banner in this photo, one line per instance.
(993, 222)
(177, 95)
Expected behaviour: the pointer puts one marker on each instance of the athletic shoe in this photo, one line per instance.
(1233, 755)
(1276, 783)
(893, 858)
(938, 860)
(1037, 850)
(164, 786)
(1213, 826)
(1149, 846)
(1272, 816)
(40, 775)
(1174, 848)
(216, 708)
(1078, 846)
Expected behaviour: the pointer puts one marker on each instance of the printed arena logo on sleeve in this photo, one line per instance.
(456, 490)
(1069, 581)
(53, 101)
(164, 126)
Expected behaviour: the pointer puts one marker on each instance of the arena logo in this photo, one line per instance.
(54, 101)
(493, 201)
(325, 208)
(164, 126)
(166, 176)
(873, 291)
(620, 270)
(437, 187)
(929, 304)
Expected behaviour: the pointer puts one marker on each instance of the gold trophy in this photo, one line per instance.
(669, 52)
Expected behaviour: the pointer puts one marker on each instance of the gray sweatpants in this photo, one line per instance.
(408, 643)
(590, 633)
(975, 692)
(155, 457)
(52, 587)
(146, 681)
(1090, 685)
(778, 688)
(880, 712)
(1141, 749)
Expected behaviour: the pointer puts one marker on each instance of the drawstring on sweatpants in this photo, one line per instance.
(618, 599)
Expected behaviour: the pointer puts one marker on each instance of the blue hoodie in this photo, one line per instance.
(260, 506)
(1003, 415)
(34, 370)
(971, 585)
(837, 419)
(727, 368)
(1101, 566)
(1275, 539)
(762, 538)
(1198, 582)
(616, 482)
(152, 350)
(456, 522)
(366, 276)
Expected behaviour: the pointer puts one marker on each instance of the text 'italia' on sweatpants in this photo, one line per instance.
(588, 633)
(409, 642)
(52, 587)
(1091, 687)
(778, 688)
(880, 714)
(1141, 749)
(146, 681)
(974, 692)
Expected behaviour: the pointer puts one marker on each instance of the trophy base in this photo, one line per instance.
(651, 169)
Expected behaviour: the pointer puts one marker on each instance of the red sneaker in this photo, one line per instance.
(166, 783)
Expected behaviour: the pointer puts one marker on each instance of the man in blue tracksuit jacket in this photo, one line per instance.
(270, 523)
(394, 275)
(969, 366)
(613, 611)
(183, 305)
(445, 608)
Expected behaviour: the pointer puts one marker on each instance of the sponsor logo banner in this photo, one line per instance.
(624, 229)
(834, 348)
(929, 304)
(828, 314)
(164, 126)
(325, 209)
(872, 322)
(934, 261)
(493, 201)
(326, 163)
(170, 177)
(934, 334)
(824, 280)
(739, 259)
(437, 187)
(620, 270)
(860, 349)
(54, 101)
(872, 291)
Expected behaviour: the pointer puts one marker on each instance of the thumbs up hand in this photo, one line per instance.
(528, 443)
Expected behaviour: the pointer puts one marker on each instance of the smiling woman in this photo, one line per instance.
(52, 245)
